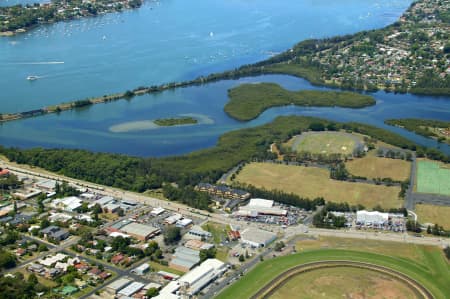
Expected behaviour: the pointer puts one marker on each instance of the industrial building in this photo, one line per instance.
(198, 232)
(258, 206)
(69, 204)
(139, 231)
(257, 237)
(131, 289)
(184, 259)
(371, 218)
(194, 281)
(141, 270)
(117, 285)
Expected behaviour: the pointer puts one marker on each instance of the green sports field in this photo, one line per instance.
(432, 177)
(325, 143)
(432, 271)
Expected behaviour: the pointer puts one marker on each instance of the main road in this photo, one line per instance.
(223, 218)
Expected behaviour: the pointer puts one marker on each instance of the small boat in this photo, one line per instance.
(211, 34)
(32, 78)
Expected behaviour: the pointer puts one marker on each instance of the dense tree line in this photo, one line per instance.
(188, 196)
(18, 287)
(283, 197)
(208, 165)
(420, 126)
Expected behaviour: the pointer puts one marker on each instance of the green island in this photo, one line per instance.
(179, 121)
(436, 129)
(402, 57)
(20, 18)
(248, 101)
(426, 265)
(207, 165)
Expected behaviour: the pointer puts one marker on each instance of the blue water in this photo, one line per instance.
(90, 128)
(176, 40)
(167, 41)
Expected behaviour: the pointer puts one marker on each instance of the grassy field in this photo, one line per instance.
(315, 182)
(343, 282)
(434, 214)
(158, 267)
(433, 177)
(431, 270)
(218, 231)
(247, 101)
(371, 167)
(325, 143)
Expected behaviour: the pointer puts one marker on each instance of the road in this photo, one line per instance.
(289, 232)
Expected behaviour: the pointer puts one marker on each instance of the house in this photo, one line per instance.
(21, 251)
(4, 172)
(55, 233)
(141, 270)
(117, 258)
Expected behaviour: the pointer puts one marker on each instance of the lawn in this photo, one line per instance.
(434, 214)
(315, 182)
(158, 267)
(218, 231)
(343, 282)
(433, 271)
(433, 177)
(325, 143)
(375, 167)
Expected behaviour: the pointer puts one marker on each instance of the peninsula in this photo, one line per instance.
(21, 18)
(248, 101)
(412, 55)
(436, 129)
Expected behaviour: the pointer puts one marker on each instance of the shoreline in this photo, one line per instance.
(269, 66)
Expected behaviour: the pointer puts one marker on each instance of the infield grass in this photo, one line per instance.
(433, 271)
(315, 182)
(325, 143)
(343, 282)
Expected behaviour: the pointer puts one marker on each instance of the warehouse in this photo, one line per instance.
(139, 231)
(371, 218)
(141, 270)
(257, 237)
(184, 259)
(258, 206)
(131, 289)
(117, 285)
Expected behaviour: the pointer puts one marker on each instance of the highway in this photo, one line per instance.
(223, 218)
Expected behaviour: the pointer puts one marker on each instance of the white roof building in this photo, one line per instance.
(131, 289)
(67, 203)
(183, 222)
(172, 219)
(157, 211)
(50, 260)
(193, 281)
(257, 237)
(117, 285)
(258, 206)
(374, 217)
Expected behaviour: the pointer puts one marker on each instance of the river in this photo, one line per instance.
(172, 41)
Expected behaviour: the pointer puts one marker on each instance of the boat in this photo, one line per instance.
(32, 78)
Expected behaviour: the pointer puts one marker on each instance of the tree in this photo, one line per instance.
(7, 260)
(241, 258)
(152, 292)
(447, 252)
(32, 279)
(207, 254)
(172, 235)
(42, 247)
(279, 246)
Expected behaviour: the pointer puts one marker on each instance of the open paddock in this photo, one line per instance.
(372, 167)
(434, 214)
(315, 182)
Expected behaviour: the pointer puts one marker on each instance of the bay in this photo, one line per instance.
(172, 41)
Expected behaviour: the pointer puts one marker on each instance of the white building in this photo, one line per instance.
(141, 270)
(131, 289)
(194, 281)
(257, 237)
(369, 218)
(68, 204)
(258, 206)
(157, 211)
